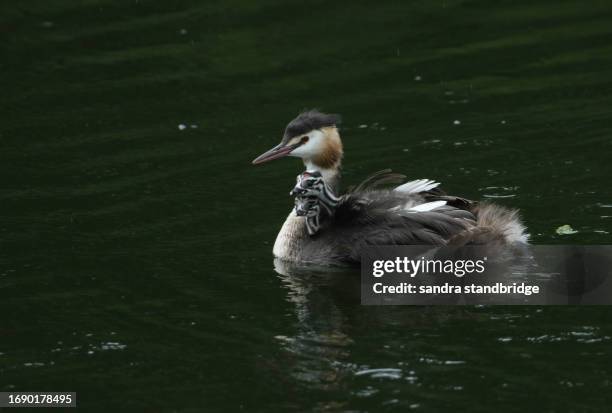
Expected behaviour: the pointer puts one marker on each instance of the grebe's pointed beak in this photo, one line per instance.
(278, 151)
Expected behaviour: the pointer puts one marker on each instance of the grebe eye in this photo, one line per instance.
(304, 139)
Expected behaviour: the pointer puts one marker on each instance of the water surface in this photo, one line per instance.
(135, 264)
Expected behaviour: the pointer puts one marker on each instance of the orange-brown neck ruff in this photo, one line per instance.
(331, 155)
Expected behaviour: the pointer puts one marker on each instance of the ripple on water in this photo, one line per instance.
(499, 191)
(34, 364)
(382, 373)
(367, 392)
(112, 345)
(431, 360)
(587, 336)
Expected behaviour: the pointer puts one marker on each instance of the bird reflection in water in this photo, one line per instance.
(321, 345)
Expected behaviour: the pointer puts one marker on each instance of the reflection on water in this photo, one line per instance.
(134, 226)
(321, 345)
(321, 356)
(417, 357)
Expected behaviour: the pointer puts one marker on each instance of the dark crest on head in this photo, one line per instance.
(309, 120)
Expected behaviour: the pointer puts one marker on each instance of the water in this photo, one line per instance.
(135, 264)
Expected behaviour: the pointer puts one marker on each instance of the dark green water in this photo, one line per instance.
(135, 257)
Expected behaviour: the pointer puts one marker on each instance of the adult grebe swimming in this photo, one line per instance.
(325, 228)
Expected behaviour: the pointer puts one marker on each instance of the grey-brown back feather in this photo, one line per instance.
(367, 216)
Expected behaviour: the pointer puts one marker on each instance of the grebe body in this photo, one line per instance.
(324, 228)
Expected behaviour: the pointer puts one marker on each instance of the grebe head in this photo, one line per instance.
(312, 136)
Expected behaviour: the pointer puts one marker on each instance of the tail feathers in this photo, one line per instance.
(501, 222)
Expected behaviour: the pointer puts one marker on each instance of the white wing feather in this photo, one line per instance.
(416, 186)
(428, 206)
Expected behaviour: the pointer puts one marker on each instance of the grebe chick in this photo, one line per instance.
(325, 228)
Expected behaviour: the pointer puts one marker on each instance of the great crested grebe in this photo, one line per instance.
(325, 228)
